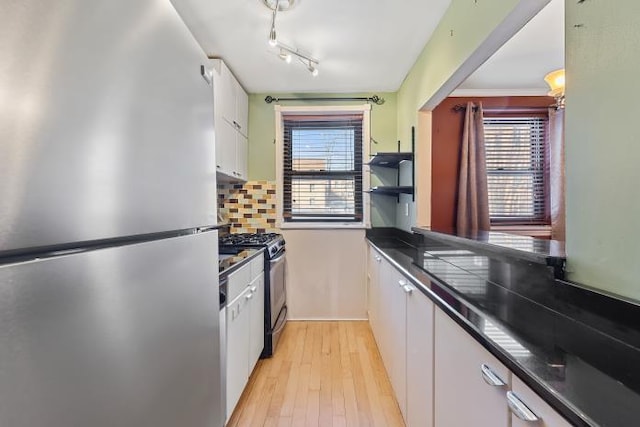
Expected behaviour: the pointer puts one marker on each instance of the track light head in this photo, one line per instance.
(312, 69)
(273, 40)
(285, 56)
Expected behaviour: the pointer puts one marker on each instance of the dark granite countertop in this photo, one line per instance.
(579, 350)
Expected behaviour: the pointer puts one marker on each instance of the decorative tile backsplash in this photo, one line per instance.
(248, 207)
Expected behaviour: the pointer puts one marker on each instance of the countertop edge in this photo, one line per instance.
(546, 259)
(239, 265)
(565, 408)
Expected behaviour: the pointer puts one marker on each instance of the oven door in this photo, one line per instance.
(277, 289)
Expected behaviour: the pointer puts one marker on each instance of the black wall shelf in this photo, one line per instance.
(391, 190)
(392, 160)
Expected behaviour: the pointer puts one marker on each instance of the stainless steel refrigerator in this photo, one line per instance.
(108, 287)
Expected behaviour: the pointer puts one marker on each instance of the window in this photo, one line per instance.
(322, 166)
(517, 169)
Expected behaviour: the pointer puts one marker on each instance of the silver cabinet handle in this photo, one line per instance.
(490, 377)
(408, 288)
(519, 409)
(249, 296)
(378, 258)
(402, 283)
(253, 289)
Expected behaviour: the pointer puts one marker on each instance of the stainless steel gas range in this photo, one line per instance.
(275, 304)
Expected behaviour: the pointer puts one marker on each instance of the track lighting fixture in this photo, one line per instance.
(287, 52)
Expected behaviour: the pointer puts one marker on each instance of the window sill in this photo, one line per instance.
(539, 231)
(322, 226)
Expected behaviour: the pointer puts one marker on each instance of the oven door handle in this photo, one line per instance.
(276, 260)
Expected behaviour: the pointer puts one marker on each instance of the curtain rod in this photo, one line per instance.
(459, 107)
(374, 99)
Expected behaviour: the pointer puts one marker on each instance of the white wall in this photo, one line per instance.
(326, 274)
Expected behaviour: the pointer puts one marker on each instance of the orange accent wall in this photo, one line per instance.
(445, 150)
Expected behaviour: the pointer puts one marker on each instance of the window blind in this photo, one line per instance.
(516, 158)
(322, 177)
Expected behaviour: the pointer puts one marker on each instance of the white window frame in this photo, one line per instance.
(280, 110)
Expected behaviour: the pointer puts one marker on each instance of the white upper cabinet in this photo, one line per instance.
(242, 111)
(231, 120)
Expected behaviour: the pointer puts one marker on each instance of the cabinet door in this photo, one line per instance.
(397, 338)
(256, 333)
(393, 335)
(228, 95)
(373, 273)
(462, 397)
(242, 110)
(420, 311)
(225, 147)
(242, 154)
(238, 329)
(547, 416)
(384, 319)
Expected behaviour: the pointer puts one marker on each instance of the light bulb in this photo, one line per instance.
(556, 82)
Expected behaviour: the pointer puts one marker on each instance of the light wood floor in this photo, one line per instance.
(323, 374)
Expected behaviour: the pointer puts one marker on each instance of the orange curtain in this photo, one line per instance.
(473, 195)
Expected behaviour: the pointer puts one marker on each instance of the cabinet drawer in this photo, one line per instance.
(256, 266)
(238, 281)
(547, 416)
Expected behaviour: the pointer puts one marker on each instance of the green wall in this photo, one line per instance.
(602, 145)
(471, 23)
(262, 149)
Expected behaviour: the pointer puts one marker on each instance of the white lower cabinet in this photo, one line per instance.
(420, 311)
(441, 375)
(373, 290)
(401, 318)
(256, 330)
(238, 331)
(470, 383)
(245, 327)
(526, 406)
(394, 327)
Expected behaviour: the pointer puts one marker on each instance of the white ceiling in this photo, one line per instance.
(362, 45)
(518, 67)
